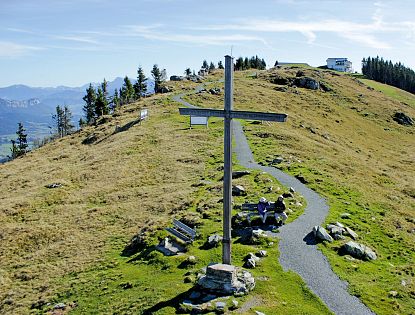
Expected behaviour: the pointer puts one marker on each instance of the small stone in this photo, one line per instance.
(220, 306)
(403, 283)
(187, 279)
(59, 306)
(191, 260)
(252, 256)
(292, 190)
(259, 313)
(339, 225)
(393, 293)
(288, 195)
(345, 215)
(214, 240)
(250, 263)
(234, 305)
(352, 233)
(238, 190)
(262, 253)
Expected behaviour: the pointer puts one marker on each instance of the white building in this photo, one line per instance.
(339, 64)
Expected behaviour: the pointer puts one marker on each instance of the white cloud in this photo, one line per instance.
(152, 32)
(13, 50)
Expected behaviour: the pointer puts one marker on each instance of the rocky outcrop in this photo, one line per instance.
(238, 190)
(403, 119)
(307, 83)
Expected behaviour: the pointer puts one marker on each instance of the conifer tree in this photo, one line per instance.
(101, 104)
(159, 78)
(205, 65)
(89, 107)
(67, 124)
(115, 102)
(187, 72)
(220, 65)
(212, 66)
(128, 93)
(140, 86)
(19, 146)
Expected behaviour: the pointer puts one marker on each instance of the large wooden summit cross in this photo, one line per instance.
(229, 114)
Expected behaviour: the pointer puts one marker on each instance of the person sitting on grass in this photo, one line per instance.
(263, 204)
(280, 215)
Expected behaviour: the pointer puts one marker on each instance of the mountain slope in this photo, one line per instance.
(71, 243)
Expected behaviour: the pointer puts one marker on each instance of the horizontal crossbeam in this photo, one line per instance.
(202, 112)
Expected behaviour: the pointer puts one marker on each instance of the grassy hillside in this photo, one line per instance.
(348, 148)
(72, 244)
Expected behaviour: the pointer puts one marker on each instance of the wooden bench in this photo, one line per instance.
(182, 231)
(252, 209)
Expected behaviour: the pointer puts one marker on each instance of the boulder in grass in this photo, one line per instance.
(358, 251)
(238, 190)
(403, 119)
(351, 233)
(320, 233)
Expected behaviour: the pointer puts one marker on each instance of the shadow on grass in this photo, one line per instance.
(174, 302)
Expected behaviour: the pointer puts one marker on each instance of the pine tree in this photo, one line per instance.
(19, 146)
(58, 119)
(205, 65)
(115, 102)
(212, 66)
(220, 65)
(187, 72)
(140, 86)
(159, 78)
(128, 93)
(89, 107)
(67, 125)
(101, 104)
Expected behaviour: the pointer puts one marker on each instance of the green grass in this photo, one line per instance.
(391, 91)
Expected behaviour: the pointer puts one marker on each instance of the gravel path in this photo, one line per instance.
(298, 251)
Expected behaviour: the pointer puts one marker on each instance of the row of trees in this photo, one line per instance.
(250, 63)
(98, 102)
(386, 72)
(63, 121)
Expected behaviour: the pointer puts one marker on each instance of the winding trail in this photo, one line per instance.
(298, 251)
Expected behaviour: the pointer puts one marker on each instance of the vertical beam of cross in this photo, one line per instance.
(227, 177)
(228, 114)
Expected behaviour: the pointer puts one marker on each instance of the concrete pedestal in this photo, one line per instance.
(227, 280)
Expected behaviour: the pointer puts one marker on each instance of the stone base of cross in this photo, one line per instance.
(228, 114)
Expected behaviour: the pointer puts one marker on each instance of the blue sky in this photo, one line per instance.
(73, 42)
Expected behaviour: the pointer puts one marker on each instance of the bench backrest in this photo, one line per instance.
(254, 206)
(183, 227)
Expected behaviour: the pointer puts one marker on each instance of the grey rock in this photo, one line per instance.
(191, 260)
(59, 306)
(238, 174)
(351, 233)
(292, 190)
(238, 190)
(252, 256)
(262, 253)
(235, 304)
(177, 78)
(194, 295)
(345, 215)
(338, 237)
(334, 229)
(54, 185)
(214, 240)
(215, 91)
(339, 224)
(220, 306)
(359, 251)
(307, 83)
(403, 119)
(320, 233)
(288, 195)
(259, 313)
(277, 160)
(250, 263)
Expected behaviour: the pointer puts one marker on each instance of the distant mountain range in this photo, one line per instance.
(34, 106)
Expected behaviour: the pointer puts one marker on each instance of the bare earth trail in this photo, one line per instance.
(298, 252)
